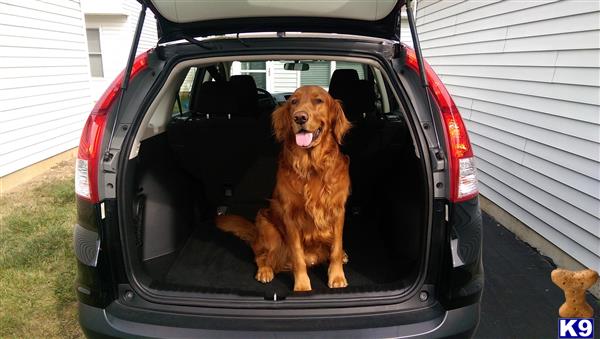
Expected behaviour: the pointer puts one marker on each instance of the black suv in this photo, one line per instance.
(184, 134)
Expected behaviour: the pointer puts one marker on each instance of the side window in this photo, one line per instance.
(182, 102)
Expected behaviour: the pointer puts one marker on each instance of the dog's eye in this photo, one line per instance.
(318, 100)
(294, 101)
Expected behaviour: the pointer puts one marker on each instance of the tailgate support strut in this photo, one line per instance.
(416, 44)
(134, 46)
(436, 153)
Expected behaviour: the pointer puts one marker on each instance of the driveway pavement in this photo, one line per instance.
(519, 299)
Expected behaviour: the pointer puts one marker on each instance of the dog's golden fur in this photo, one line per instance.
(304, 223)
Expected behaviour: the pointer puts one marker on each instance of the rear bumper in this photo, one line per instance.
(100, 323)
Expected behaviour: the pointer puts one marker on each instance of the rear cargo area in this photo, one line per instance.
(221, 157)
(179, 248)
(214, 261)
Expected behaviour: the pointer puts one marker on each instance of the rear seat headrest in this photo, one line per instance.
(245, 96)
(357, 96)
(341, 80)
(211, 99)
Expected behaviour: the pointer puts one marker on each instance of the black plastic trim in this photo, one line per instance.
(118, 320)
(86, 244)
(464, 284)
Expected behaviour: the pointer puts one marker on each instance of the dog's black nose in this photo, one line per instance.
(300, 117)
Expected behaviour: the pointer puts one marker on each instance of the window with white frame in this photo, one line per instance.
(256, 69)
(359, 68)
(94, 52)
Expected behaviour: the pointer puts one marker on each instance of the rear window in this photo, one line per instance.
(273, 77)
(277, 79)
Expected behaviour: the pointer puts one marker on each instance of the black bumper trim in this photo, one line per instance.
(97, 322)
(86, 244)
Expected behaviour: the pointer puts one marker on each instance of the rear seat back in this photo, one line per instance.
(222, 139)
(255, 183)
(363, 142)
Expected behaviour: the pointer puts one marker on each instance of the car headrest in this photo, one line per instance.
(356, 95)
(211, 99)
(341, 80)
(244, 95)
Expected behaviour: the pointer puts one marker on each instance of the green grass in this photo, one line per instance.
(37, 264)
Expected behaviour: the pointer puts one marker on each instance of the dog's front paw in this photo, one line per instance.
(337, 281)
(302, 283)
(265, 274)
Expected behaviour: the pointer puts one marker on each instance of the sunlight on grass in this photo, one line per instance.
(37, 297)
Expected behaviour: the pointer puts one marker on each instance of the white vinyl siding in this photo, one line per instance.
(318, 74)
(405, 36)
(149, 35)
(116, 35)
(44, 80)
(526, 78)
(280, 79)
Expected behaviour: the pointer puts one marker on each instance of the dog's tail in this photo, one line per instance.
(237, 225)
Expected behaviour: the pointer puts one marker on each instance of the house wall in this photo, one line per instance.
(44, 80)
(525, 76)
(405, 36)
(280, 80)
(116, 35)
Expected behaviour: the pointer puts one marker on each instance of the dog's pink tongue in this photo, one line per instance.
(303, 139)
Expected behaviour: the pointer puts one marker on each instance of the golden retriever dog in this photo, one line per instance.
(304, 223)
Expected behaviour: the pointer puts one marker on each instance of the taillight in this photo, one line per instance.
(463, 178)
(89, 152)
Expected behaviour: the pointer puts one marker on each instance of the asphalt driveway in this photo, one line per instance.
(519, 299)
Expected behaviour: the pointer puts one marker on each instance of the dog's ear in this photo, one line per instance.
(281, 123)
(340, 125)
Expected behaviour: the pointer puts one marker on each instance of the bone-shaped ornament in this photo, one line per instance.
(574, 284)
